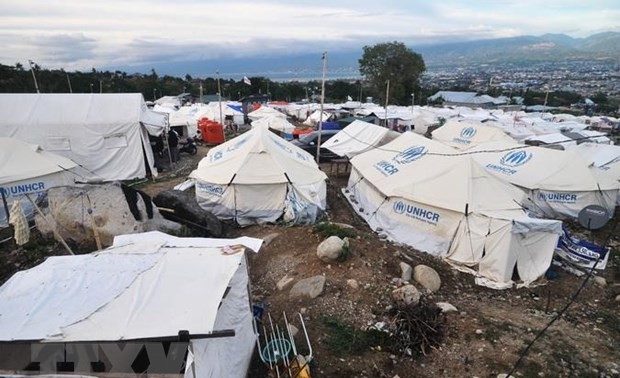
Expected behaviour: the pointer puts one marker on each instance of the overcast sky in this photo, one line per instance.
(81, 34)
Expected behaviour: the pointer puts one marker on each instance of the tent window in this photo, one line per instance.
(58, 144)
(118, 140)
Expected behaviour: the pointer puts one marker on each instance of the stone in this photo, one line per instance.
(330, 249)
(406, 295)
(115, 209)
(267, 239)
(446, 307)
(353, 284)
(618, 298)
(186, 210)
(344, 225)
(504, 375)
(406, 271)
(600, 281)
(479, 332)
(285, 282)
(294, 330)
(427, 277)
(308, 287)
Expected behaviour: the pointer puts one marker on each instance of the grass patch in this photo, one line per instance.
(327, 229)
(345, 340)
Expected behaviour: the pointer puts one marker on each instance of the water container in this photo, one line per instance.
(214, 133)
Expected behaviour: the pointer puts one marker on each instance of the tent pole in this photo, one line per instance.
(6, 206)
(318, 143)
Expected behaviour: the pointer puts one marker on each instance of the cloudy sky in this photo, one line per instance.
(81, 34)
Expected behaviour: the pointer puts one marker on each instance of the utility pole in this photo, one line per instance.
(219, 93)
(318, 144)
(387, 98)
(201, 91)
(100, 86)
(545, 104)
(69, 81)
(36, 85)
(412, 102)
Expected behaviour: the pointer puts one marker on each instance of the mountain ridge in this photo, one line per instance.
(344, 64)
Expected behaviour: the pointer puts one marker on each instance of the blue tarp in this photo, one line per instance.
(331, 126)
(581, 253)
(236, 107)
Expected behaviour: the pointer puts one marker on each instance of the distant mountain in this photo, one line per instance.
(524, 49)
(344, 63)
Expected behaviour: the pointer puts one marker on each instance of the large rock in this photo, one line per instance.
(115, 209)
(406, 295)
(427, 277)
(330, 249)
(186, 210)
(308, 288)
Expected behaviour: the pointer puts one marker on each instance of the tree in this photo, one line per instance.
(395, 62)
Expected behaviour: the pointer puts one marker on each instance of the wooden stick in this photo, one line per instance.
(92, 223)
(62, 241)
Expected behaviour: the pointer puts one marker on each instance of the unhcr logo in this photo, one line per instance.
(515, 158)
(468, 132)
(410, 154)
(399, 207)
(415, 212)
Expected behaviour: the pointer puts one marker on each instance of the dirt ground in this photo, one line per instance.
(483, 338)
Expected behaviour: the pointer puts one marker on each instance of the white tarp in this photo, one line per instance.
(465, 134)
(146, 286)
(359, 137)
(107, 134)
(425, 194)
(27, 169)
(258, 177)
(558, 183)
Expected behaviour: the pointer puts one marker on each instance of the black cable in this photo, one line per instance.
(556, 317)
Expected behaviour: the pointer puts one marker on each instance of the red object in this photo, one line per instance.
(212, 132)
(298, 132)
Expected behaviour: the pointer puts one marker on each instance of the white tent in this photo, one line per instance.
(146, 286)
(558, 139)
(259, 177)
(602, 159)
(426, 195)
(265, 111)
(275, 123)
(27, 169)
(465, 134)
(107, 134)
(359, 137)
(558, 183)
(314, 118)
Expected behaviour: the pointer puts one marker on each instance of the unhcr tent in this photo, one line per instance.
(424, 194)
(557, 183)
(25, 169)
(464, 135)
(359, 137)
(259, 177)
(107, 134)
(146, 287)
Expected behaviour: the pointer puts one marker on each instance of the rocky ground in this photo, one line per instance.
(484, 337)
